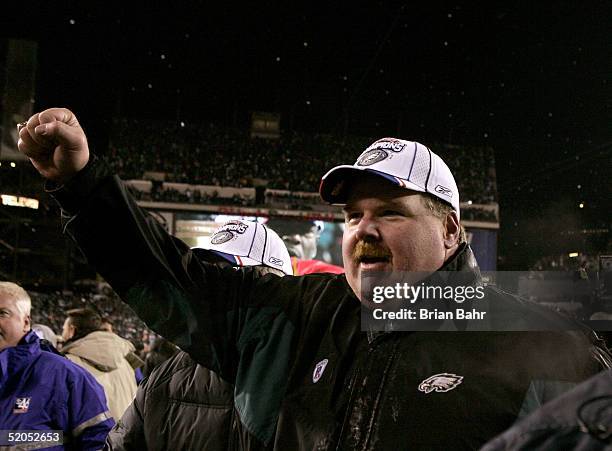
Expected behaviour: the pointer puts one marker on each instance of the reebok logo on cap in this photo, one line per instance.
(443, 190)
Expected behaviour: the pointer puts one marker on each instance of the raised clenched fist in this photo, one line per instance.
(55, 143)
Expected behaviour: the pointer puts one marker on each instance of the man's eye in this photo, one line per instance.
(352, 216)
(391, 213)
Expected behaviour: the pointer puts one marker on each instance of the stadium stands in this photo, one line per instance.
(210, 155)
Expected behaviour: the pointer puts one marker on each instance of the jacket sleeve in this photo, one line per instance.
(89, 418)
(203, 309)
(128, 433)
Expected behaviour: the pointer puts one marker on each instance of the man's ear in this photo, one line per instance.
(452, 230)
(27, 324)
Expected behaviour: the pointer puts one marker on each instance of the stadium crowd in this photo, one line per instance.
(49, 308)
(212, 155)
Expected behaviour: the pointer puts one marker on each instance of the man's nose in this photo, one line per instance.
(367, 230)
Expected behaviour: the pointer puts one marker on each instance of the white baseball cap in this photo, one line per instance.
(408, 164)
(246, 243)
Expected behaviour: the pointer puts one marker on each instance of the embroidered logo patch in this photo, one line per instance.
(371, 157)
(318, 371)
(21, 405)
(222, 237)
(440, 383)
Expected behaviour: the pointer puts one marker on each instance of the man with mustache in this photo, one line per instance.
(343, 388)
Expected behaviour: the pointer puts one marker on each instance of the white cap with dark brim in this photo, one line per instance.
(408, 164)
(246, 243)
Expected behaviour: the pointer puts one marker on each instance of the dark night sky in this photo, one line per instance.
(533, 81)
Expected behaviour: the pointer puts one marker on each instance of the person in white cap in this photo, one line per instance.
(183, 405)
(301, 238)
(249, 243)
(305, 374)
(387, 227)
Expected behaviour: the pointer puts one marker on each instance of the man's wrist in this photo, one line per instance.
(72, 194)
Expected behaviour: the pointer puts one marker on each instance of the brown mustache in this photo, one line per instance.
(364, 249)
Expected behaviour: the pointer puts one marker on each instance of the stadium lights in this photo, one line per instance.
(581, 205)
(13, 164)
(18, 201)
(573, 254)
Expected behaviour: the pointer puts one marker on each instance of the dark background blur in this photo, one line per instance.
(531, 80)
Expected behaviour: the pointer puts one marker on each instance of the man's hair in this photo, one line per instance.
(84, 321)
(262, 270)
(21, 297)
(440, 210)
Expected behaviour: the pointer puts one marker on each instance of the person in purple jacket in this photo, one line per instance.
(41, 391)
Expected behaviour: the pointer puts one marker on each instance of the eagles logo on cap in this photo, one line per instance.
(221, 237)
(371, 157)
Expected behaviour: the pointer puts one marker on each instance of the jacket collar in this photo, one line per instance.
(14, 359)
(462, 268)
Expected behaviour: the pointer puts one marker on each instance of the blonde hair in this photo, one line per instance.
(19, 295)
(440, 210)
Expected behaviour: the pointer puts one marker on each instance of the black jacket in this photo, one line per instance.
(161, 351)
(305, 375)
(580, 419)
(181, 405)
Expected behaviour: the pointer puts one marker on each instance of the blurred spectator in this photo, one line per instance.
(161, 350)
(301, 239)
(45, 333)
(106, 325)
(49, 309)
(105, 355)
(565, 263)
(39, 389)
